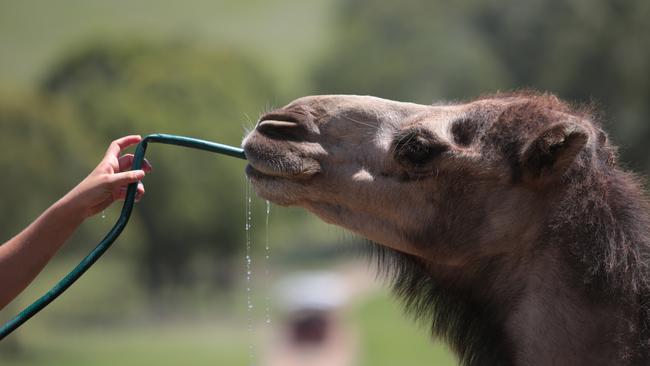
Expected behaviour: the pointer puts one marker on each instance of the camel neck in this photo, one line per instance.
(555, 321)
(580, 304)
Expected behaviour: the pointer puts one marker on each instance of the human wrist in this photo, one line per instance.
(69, 211)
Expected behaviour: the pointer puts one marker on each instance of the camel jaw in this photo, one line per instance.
(278, 189)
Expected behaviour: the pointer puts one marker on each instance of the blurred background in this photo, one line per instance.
(75, 75)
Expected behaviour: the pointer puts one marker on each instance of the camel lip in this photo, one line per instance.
(263, 173)
(255, 173)
(269, 158)
(260, 158)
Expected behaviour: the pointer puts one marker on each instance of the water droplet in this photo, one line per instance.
(103, 214)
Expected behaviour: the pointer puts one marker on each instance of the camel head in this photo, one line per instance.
(450, 183)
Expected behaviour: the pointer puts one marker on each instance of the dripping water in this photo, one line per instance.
(249, 271)
(103, 214)
(267, 264)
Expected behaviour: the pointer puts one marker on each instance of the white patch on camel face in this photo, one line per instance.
(363, 176)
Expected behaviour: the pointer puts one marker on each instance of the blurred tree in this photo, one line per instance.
(38, 159)
(584, 51)
(194, 206)
(410, 50)
(424, 50)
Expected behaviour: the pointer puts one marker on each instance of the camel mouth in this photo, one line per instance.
(257, 174)
(274, 169)
(274, 164)
(274, 188)
(272, 158)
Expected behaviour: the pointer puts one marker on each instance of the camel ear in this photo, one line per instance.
(551, 153)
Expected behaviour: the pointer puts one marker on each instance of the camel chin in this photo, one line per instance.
(273, 188)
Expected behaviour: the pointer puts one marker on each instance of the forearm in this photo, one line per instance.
(25, 255)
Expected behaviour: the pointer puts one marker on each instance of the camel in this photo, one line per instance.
(505, 222)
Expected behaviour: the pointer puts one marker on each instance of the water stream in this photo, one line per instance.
(249, 272)
(267, 265)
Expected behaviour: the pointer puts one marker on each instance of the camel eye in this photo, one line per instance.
(417, 148)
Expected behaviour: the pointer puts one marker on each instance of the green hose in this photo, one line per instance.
(103, 245)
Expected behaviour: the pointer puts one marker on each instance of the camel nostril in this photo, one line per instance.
(275, 124)
(285, 116)
(282, 126)
(281, 130)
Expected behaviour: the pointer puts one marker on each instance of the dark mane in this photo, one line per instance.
(469, 328)
(602, 226)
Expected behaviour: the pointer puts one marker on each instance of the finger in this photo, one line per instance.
(139, 193)
(146, 166)
(140, 188)
(120, 144)
(124, 178)
(126, 162)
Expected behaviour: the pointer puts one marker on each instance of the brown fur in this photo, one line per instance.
(506, 222)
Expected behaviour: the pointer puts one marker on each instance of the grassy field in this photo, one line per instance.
(103, 320)
(193, 344)
(387, 340)
(387, 337)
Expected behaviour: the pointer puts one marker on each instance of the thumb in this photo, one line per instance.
(124, 178)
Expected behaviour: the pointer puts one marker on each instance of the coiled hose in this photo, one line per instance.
(103, 245)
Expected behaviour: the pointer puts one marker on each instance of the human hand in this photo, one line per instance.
(108, 181)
